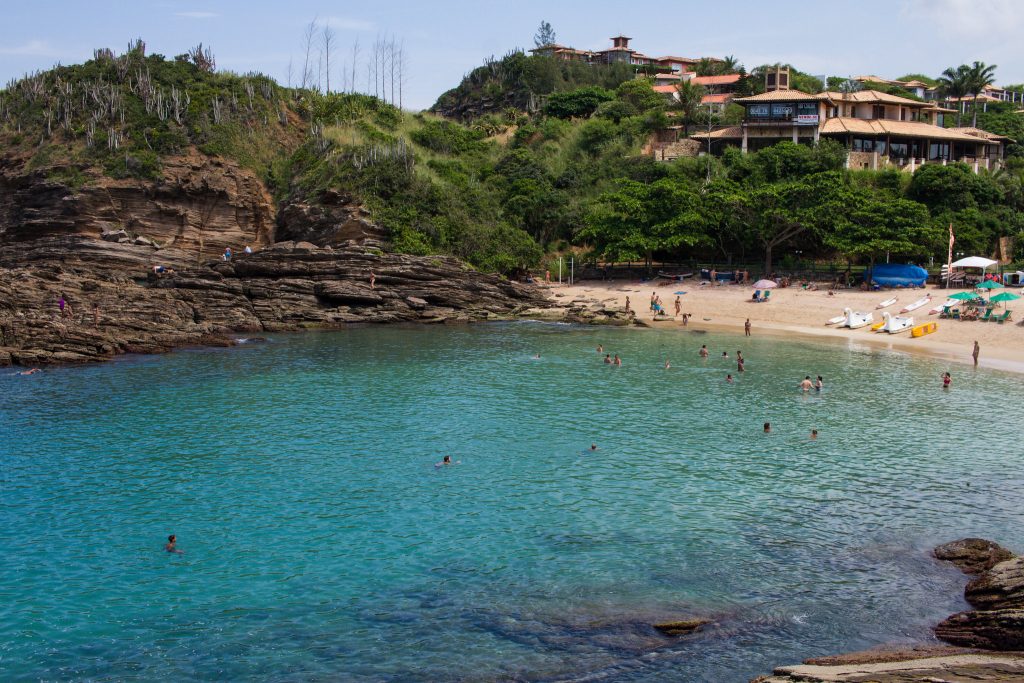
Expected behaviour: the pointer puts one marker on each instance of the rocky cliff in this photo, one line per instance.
(96, 245)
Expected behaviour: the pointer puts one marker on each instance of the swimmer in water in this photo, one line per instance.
(593, 446)
(25, 373)
(667, 364)
(536, 357)
(806, 384)
(172, 545)
(617, 361)
(608, 359)
(725, 354)
(728, 378)
(767, 427)
(446, 460)
(819, 384)
(704, 351)
(814, 434)
(600, 348)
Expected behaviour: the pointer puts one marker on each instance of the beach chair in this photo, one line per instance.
(757, 295)
(766, 295)
(1002, 318)
(988, 315)
(946, 313)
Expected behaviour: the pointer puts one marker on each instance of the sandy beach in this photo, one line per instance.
(794, 311)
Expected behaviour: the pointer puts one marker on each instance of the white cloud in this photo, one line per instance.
(347, 24)
(35, 48)
(964, 19)
(197, 15)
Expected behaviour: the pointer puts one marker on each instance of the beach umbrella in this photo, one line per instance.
(989, 284)
(1004, 296)
(765, 284)
(963, 296)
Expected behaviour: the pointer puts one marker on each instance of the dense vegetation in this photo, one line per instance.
(507, 187)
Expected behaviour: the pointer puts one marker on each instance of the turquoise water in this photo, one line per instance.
(321, 543)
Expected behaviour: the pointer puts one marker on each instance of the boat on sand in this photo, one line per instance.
(895, 324)
(887, 302)
(923, 301)
(855, 320)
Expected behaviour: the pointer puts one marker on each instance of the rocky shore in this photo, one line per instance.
(96, 245)
(986, 644)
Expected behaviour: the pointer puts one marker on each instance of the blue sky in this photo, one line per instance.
(444, 39)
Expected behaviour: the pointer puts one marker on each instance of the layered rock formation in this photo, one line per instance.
(96, 247)
(997, 623)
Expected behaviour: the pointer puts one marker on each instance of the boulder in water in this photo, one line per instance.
(972, 555)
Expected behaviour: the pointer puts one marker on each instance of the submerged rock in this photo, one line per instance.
(972, 555)
(681, 628)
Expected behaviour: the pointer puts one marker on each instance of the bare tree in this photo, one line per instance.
(289, 73)
(328, 40)
(307, 72)
(393, 63)
(355, 62)
(401, 72)
(203, 58)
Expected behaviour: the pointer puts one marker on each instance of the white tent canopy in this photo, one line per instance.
(974, 262)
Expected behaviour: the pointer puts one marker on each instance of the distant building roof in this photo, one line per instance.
(984, 134)
(665, 89)
(915, 129)
(720, 98)
(721, 134)
(681, 60)
(724, 79)
(671, 76)
(981, 98)
(777, 96)
(872, 96)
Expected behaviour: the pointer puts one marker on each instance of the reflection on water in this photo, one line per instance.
(321, 541)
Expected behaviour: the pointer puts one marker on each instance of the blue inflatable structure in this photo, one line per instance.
(897, 275)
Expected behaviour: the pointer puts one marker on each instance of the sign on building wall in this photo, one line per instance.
(807, 120)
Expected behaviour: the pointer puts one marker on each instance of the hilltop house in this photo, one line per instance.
(719, 90)
(879, 129)
(620, 51)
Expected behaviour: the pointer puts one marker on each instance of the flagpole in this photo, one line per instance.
(949, 258)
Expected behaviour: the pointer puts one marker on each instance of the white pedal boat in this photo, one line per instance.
(896, 324)
(855, 320)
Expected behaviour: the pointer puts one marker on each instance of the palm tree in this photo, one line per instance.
(953, 83)
(729, 65)
(706, 67)
(979, 76)
(850, 86)
(688, 99)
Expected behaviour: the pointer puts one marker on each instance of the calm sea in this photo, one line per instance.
(322, 543)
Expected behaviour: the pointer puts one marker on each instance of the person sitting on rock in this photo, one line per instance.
(227, 254)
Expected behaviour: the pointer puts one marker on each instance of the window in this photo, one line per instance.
(878, 112)
(899, 150)
(758, 111)
(782, 111)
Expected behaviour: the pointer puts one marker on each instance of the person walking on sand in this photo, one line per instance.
(806, 384)
(746, 328)
(977, 350)
(704, 351)
(679, 305)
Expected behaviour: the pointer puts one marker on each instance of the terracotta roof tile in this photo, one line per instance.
(717, 99)
(724, 79)
(777, 96)
(721, 134)
(916, 129)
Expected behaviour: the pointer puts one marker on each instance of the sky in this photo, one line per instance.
(445, 39)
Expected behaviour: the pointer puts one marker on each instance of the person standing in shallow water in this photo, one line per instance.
(746, 327)
(946, 380)
(617, 361)
(974, 354)
(704, 351)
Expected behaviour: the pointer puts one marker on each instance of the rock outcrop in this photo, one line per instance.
(335, 219)
(1001, 629)
(118, 305)
(1000, 587)
(972, 555)
(978, 668)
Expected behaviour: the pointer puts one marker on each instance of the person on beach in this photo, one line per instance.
(627, 305)
(654, 300)
(746, 328)
(814, 434)
(704, 351)
(547, 276)
(767, 427)
(946, 380)
(679, 305)
(227, 254)
(617, 361)
(607, 359)
(172, 545)
(977, 350)
(806, 384)
(714, 276)
(728, 378)
(819, 384)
